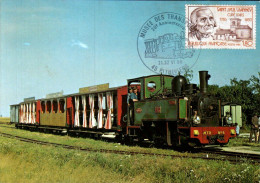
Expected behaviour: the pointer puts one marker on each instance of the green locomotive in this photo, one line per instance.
(170, 111)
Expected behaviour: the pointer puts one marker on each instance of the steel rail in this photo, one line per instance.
(251, 156)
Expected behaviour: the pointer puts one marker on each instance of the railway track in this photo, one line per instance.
(5, 123)
(228, 157)
(254, 157)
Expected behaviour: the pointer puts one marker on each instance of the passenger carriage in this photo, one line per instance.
(27, 112)
(14, 113)
(92, 110)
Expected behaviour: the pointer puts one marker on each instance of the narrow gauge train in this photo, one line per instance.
(168, 111)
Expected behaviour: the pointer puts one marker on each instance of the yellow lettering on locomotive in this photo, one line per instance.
(221, 132)
(207, 133)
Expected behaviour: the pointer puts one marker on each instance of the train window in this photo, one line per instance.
(29, 108)
(136, 84)
(80, 103)
(88, 106)
(104, 102)
(114, 117)
(96, 102)
(43, 106)
(48, 106)
(151, 86)
(62, 106)
(34, 107)
(55, 106)
(80, 111)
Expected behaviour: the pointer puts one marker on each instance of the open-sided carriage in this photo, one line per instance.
(92, 110)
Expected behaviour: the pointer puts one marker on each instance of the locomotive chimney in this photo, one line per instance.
(204, 77)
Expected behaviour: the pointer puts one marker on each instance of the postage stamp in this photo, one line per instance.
(221, 26)
(161, 44)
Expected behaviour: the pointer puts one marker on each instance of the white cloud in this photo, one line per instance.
(79, 44)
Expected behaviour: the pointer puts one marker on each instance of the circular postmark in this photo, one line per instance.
(161, 44)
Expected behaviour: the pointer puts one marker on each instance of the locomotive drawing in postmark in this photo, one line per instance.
(161, 44)
(221, 26)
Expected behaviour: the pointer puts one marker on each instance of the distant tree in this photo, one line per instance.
(188, 74)
(243, 92)
(255, 83)
(255, 86)
(213, 89)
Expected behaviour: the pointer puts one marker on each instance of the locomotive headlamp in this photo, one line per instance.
(196, 120)
(196, 132)
(232, 132)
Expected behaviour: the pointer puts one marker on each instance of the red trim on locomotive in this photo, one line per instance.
(220, 135)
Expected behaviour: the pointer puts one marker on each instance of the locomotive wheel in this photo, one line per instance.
(128, 140)
(222, 145)
(119, 138)
(159, 142)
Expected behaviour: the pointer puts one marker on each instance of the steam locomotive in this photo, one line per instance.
(168, 111)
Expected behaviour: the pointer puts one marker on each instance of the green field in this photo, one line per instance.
(25, 162)
(4, 119)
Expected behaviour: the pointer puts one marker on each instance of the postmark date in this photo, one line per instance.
(163, 62)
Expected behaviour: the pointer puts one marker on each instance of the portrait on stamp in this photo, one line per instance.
(202, 24)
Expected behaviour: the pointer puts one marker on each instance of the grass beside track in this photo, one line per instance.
(81, 142)
(25, 162)
(4, 119)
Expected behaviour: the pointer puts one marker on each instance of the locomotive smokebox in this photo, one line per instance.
(204, 77)
(178, 84)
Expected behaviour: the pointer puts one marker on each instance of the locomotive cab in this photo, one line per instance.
(148, 88)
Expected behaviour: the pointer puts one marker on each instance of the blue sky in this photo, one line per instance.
(49, 46)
